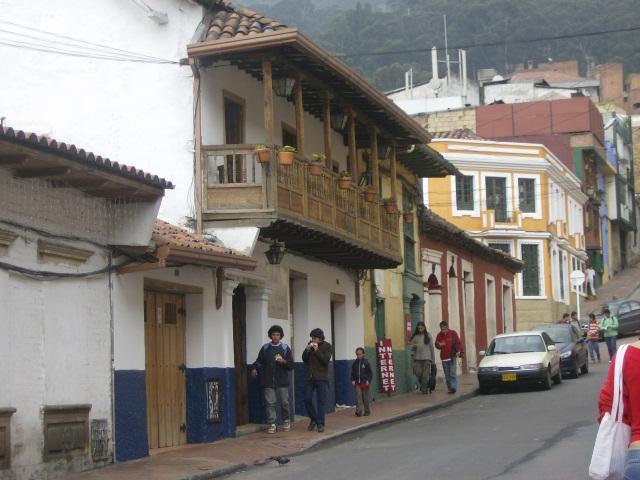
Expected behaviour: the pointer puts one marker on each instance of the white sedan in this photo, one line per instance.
(520, 358)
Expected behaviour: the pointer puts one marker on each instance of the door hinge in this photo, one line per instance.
(183, 427)
(182, 367)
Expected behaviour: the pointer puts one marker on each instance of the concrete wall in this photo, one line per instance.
(134, 113)
(449, 120)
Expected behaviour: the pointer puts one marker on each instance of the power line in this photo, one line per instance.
(500, 43)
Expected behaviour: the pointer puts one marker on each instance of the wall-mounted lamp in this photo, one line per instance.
(283, 86)
(432, 281)
(452, 270)
(275, 253)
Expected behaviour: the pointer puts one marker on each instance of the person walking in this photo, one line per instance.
(591, 283)
(423, 355)
(631, 403)
(361, 376)
(593, 338)
(609, 324)
(448, 342)
(316, 358)
(273, 365)
(566, 318)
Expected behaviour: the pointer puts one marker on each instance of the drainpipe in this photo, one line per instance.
(112, 362)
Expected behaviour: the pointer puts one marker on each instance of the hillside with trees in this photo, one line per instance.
(363, 31)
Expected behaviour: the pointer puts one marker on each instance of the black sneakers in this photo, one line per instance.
(312, 426)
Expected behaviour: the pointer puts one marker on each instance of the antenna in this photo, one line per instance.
(446, 49)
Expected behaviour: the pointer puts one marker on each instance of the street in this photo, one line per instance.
(517, 435)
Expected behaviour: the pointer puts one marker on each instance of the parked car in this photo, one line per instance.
(627, 312)
(520, 358)
(574, 357)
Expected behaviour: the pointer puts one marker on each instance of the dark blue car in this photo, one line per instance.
(574, 357)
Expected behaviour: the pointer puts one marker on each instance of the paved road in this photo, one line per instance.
(517, 435)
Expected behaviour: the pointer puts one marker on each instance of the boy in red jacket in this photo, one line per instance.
(448, 342)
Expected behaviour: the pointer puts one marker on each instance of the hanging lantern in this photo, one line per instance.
(283, 86)
(452, 270)
(275, 253)
(338, 119)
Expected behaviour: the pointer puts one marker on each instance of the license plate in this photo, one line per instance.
(508, 377)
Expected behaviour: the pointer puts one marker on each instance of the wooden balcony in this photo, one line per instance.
(309, 213)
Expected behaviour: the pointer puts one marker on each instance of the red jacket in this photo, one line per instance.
(630, 391)
(450, 338)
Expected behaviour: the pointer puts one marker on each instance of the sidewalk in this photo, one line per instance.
(204, 461)
(624, 285)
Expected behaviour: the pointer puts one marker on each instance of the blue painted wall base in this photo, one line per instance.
(130, 408)
(199, 429)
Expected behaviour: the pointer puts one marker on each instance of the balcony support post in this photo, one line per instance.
(353, 159)
(299, 115)
(200, 166)
(393, 170)
(269, 182)
(375, 160)
(326, 124)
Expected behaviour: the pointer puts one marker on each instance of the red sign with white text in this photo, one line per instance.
(387, 370)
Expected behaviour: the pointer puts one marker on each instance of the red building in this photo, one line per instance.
(467, 283)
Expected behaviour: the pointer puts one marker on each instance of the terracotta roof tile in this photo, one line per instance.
(72, 152)
(165, 233)
(460, 134)
(231, 20)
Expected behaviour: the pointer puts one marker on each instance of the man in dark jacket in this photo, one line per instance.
(316, 358)
(274, 364)
(361, 376)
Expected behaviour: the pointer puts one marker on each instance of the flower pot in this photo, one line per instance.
(390, 208)
(370, 196)
(262, 156)
(407, 217)
(286, 158)
(315, 168)
(344, 182)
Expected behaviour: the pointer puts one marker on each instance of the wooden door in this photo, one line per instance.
(239, 308)
(164, 339)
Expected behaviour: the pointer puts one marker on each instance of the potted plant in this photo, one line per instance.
(344, 180)
(370, 195)
(407, 217)
(317, 164)
(389, 205)
(262, 153)
(286, 155)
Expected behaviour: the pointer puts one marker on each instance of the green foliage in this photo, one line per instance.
(351, 27)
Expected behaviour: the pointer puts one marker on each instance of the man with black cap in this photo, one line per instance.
(316, 359)
(274, 363)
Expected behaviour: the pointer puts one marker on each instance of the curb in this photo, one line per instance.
(314, 444)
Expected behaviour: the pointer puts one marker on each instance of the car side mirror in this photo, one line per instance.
(482, 353)
(552, 348)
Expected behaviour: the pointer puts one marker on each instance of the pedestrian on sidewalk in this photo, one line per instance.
(361, 376)
(631, 403)
(423, 355)
(593, 338)
(316, 358)
(273, 365)
(448, 342)
(591, 283)
(566, 318)
(609, 324)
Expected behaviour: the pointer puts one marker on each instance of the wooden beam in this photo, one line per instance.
(393, 170)
(7, 160)
(299, 115)
(351, 140)
(375, 160)
(326, 125)
(267, 85)
(41, 172)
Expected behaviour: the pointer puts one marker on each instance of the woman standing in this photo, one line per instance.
(631, 399)
(423, 355)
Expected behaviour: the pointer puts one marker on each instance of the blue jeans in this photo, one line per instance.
(594, 350)
(319, 389)
(611, 346)
(632, 469)
(449, 368)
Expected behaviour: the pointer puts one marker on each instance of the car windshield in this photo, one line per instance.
(516, 344)
(559, 335)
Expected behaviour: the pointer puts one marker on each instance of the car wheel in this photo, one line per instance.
(546, 383)
(585, 368)
(575, 371)
(557, 380)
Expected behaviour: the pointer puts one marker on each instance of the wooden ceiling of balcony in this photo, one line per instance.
(330, 249)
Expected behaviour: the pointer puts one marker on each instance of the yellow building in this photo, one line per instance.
(519, 198)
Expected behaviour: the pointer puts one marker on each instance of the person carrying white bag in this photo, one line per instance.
(616, 453)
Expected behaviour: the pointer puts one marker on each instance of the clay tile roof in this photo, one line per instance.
(165, 233)
(230, 20)
(437, 228)
(460, 134)
(70, 151)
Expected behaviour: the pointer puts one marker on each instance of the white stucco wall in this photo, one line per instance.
(134, 113)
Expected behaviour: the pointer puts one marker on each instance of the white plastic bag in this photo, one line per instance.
(612, 442)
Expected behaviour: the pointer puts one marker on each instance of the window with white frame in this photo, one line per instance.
(531, 274)
(464, 192)
(527, 195)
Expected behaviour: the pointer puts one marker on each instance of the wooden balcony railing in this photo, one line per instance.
(236, 183)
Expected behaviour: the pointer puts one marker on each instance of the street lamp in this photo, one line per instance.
(283, 86)
(275, 253)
